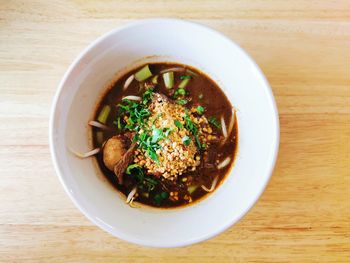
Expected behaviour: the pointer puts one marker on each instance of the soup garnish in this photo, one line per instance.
(160, 135)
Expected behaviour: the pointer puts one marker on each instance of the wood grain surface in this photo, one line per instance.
(303, 47)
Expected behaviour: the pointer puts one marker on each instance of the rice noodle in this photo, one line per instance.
(85, 155)
(98, 125)
(131, 204)
(132, 97)
(172, 69)
(223, 127)
(232, 123)
(131, 195)
(128, 82)
(213, 185)
(224, 163)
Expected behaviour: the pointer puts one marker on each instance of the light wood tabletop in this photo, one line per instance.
(303, 47)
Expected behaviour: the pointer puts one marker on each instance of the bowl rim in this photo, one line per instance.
(103, 225)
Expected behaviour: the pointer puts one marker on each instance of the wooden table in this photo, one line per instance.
(303, 47)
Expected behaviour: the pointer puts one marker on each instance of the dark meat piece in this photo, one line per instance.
(123, 163)
(129, 135)
(118, 153)
(208, 160)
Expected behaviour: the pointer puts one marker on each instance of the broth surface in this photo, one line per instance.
(200, 91)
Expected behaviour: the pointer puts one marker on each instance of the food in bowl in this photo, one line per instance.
(238, 76)
(165, 135)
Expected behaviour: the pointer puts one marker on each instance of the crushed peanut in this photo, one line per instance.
(178, 154)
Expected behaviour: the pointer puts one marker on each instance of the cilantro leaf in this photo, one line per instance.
(186, 140)
(213, 121)
(200, 109)
(182, 101)
(178, 124)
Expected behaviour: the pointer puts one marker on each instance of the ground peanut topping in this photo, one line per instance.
(178, 152)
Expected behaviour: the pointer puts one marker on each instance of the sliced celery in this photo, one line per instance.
(99, 137)
(191, 72)
(168, 80)
(155, 79)
(192, 188)
(102, 117)
(183, 83)
(143, 74)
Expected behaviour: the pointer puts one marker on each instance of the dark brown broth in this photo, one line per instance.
(215, 103)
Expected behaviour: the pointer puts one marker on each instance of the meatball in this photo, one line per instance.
(113, 151)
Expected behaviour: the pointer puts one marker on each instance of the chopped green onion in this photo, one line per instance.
(143, 74)
(155, 79)
(183, 83)
(164, 195)
(99, 137)
(151, 153)
(182, 102)
(213, 121)
(199, 145)
(159, 198)
(200, 109)
(200, 96)
(167, 132)
(191, 72)
(180, 91)
(131, 167)
(156, 118)
(192, 188)
(156, 134)
(185, 77)
(186, 140)
(119, 124)
(103, 116)
(178, 124)
(168, 78)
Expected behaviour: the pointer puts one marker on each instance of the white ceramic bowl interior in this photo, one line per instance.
(165, 40)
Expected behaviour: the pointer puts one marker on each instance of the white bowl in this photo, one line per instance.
(165, 40)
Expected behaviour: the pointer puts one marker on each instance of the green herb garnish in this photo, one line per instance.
(149, 145)
(182, 101)
(199, 145)
(179, 92)
(200, 109)
(145, 182)
(186, 140)
(137, 112)
(159, 198)
(185, 77)
(149, 141)
(213, 121)
(178, 124)
(132, 167)
(119, 123)
(156, 134)
(147, 96)
(192, 127)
